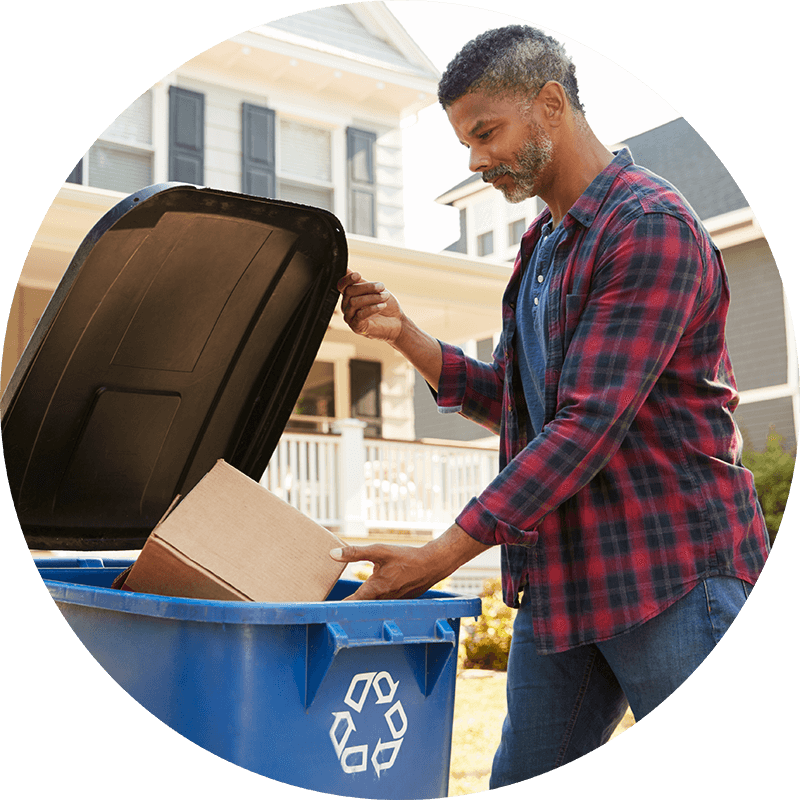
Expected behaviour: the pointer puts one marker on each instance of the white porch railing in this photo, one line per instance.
(354, 485)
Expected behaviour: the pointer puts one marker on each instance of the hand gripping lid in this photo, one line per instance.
(181, 333)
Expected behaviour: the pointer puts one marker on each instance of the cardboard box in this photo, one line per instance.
(231, 539)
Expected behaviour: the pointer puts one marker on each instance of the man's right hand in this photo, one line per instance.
(369, 309)
(373, 312)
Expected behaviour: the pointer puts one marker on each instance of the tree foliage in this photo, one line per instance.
(772, 468)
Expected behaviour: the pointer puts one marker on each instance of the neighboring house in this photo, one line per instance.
(759, 330)
(491, 228)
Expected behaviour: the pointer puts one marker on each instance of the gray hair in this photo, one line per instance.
(516, 60)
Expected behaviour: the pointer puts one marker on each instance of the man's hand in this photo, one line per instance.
(369, 309)
(373, 312)
(403, 572)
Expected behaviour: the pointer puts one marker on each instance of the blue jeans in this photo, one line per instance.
(564, 705)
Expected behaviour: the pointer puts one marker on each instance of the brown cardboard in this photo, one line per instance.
(232, 539)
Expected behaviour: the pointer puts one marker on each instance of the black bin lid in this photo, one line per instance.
(182, 332)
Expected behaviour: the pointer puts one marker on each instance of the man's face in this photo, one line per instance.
(507, 145)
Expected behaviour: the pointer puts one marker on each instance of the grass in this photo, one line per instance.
(480, 707)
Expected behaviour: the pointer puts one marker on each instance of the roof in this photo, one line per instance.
(676, 152)
(460, 190)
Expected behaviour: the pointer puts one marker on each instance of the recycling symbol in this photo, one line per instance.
(356, 758)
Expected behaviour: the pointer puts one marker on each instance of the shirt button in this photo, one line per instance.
(540, 279)
(536, 301)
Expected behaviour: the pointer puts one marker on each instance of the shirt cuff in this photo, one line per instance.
(486, 528)
(453, 379)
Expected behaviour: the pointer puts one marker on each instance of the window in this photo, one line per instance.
(315, 407)
(288, 159)
(304, 165)
(302, 172)
(515, 231)
(122, 157)
(486, 244)
(365, 394)
(361, 181)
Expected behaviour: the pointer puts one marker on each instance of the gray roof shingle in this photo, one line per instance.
(676, 152)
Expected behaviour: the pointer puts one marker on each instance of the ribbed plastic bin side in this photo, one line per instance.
(348, 698)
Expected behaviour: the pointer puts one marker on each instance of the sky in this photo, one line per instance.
(433, 160)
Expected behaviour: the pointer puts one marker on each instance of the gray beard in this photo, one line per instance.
(531, 160)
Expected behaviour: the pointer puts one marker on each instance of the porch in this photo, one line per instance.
(383, 490)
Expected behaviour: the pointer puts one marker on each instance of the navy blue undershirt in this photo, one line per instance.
(531, 325)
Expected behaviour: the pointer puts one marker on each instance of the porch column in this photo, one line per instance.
(352, 493)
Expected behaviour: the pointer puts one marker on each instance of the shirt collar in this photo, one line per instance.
(586, 207)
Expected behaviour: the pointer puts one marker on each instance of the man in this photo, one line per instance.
(630, 530)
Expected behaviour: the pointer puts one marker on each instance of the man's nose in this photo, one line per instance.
(478, 160)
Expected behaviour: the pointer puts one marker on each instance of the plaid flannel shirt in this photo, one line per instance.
(634, 490)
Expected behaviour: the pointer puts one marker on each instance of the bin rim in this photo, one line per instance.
(434, 603)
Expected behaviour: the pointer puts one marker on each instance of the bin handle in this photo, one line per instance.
(427, 654)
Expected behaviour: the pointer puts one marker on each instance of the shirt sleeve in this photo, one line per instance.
(646, 286)
(470, 387)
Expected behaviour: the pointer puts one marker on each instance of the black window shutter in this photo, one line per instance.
(361, 175)
(186, 135)
(258, 151)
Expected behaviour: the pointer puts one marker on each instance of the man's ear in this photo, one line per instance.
(553, 102)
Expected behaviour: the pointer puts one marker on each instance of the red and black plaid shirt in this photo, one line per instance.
(634, 490)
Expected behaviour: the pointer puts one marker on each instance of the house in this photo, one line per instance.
(759, 329)
(309, 109)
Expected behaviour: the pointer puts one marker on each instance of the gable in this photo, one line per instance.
(340, 28)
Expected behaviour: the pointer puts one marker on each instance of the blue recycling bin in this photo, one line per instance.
(348, 698)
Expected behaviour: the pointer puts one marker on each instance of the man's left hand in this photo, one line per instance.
(403, 572)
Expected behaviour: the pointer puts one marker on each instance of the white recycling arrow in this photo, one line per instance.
(359, 766)
(366, 677)
(398, 709)
(392, 686)
(339, 744)
(381, 766)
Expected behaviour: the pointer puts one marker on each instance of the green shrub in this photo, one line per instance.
(772, 468)
(486, 641)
